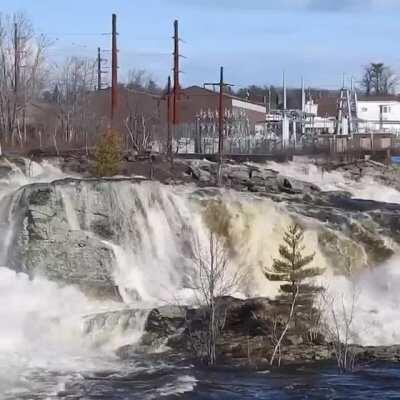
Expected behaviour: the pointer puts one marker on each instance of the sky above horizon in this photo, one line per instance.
(255, 40)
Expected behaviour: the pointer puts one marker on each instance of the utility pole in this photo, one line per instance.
(269, 99)
(285, 122)
(114, 70)
(16, 60)
(221, 119)
(99, 68)
(169, 135)
(221, 85)
(303, 108)
(175, 115)
(284, 91)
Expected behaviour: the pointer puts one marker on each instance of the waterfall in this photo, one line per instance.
(43, 330)
(151, 230)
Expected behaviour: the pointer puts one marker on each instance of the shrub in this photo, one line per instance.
(108, 154)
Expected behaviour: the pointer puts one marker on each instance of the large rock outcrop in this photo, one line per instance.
(67, 230)
(65, 240)
(246, 337)
(353, 233)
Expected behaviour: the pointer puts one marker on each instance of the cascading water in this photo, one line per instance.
(150, 229)
(41, 337)
(153, 230)
(363, 188)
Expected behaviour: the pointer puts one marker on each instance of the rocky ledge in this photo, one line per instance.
(63, 229)
(247, 334)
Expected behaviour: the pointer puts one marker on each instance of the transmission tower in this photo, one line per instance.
(347, 119)
(100, 70)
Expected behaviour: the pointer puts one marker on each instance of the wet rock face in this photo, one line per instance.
(62, 228)
(353, 233)
(345, 255)
(378, 353)
(387, 175)
(246, 336)
(45, 244)
(164, 321)
(6, 165)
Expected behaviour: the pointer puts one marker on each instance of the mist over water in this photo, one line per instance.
(42, 325)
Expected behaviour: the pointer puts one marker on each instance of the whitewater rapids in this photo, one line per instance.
(41, 323)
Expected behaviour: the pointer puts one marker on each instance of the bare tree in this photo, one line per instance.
(378, 79)
(279, 331)
(338, 328)
(72, 88)
(215, 277)
(22, 74)
(140, 79)
(139, 130)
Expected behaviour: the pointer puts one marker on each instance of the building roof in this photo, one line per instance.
(379, 98)
(206, 91)
(327, 106)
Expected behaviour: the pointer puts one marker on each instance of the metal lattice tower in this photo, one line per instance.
(347, 119)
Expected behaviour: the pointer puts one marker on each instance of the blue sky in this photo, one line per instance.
(254, 39)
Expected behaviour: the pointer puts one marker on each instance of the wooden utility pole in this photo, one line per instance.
(175, 114)
(114, 70)
(169, 133)
(269, 99)
(221, 117)
(98, 68)
(16, 59)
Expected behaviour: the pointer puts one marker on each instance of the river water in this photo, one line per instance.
(45, 353)
(158, 380)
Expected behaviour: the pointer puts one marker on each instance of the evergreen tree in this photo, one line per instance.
(291, 268)
(108, 155)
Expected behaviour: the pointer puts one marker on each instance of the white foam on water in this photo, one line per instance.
(41, 323)
(366, 188)
(41, 330)
(182, 384)
(375, 295)
(156, 226)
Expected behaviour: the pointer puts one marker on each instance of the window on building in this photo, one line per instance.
(364, 109)
(385, 109)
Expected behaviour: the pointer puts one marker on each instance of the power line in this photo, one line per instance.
(74, 34)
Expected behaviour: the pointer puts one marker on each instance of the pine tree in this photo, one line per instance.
(291, 269)
(108, 155)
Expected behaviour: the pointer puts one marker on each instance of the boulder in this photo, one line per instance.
(64, 239)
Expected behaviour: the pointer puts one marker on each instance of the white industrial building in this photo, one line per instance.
(372, 114)
(341, 114)
(379, 114)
